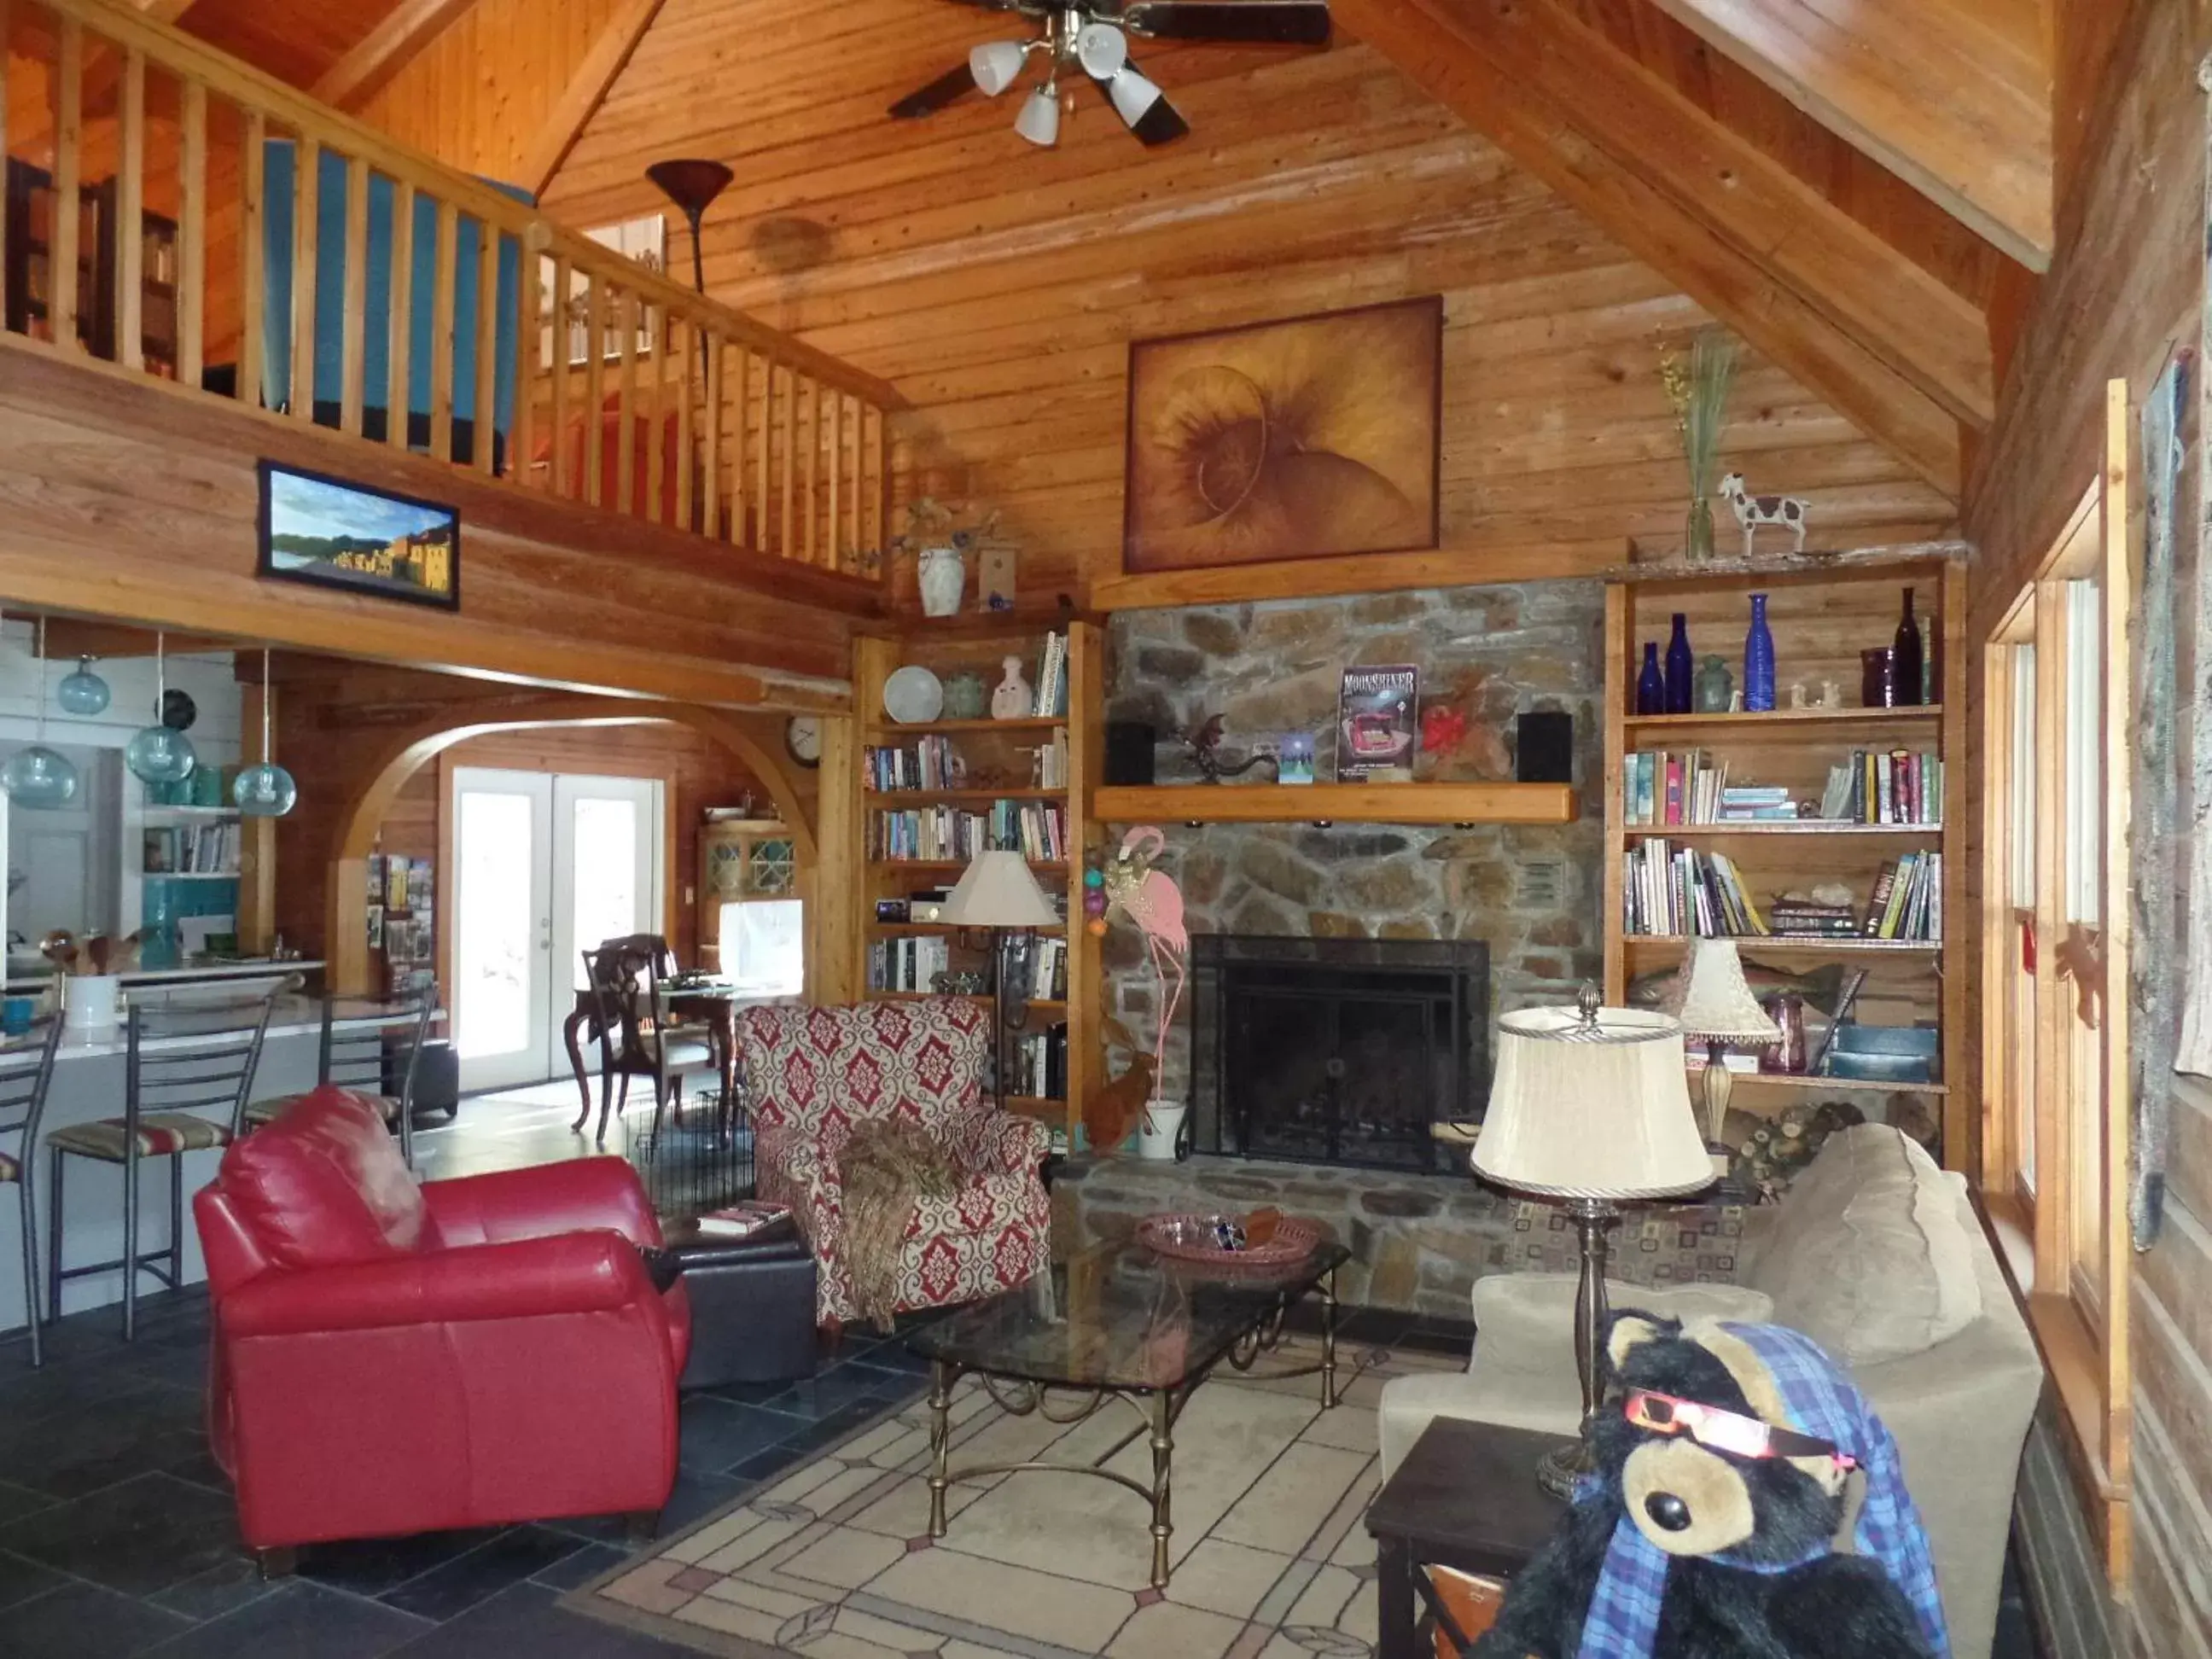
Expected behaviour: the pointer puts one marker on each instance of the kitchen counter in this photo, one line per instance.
(208, 973)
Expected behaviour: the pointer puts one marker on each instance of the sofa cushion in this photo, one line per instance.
(1526, 1322)
(1870, 1256)
(325, 1186)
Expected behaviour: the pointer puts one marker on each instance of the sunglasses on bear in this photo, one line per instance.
(1727, 1431)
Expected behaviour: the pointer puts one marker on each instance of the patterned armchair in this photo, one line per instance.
(812, 1073)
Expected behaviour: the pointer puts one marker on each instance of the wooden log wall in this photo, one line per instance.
(997, 286)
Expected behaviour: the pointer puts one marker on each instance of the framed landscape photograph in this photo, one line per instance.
(323, 529)
(1307, 439)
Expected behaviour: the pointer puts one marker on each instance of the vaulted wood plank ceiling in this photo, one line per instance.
(1782, 163)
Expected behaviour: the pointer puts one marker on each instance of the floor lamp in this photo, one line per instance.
(1590, 1106)
(997, 891)
(693, 185)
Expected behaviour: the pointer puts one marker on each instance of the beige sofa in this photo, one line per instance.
(1876, 1254)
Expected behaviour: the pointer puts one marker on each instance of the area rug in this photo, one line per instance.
(833, 1559)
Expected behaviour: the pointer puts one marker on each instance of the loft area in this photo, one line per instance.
(729, 569)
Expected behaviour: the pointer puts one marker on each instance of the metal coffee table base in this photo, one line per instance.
(1157, 1410)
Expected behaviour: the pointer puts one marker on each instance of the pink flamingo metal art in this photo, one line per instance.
(1149, 898)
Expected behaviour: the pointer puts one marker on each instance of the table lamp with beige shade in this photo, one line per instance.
(1719, 1011)
(997, 891)
(1590, 1106)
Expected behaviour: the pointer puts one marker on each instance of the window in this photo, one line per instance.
(2054, 1156)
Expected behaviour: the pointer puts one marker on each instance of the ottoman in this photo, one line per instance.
(752, 1305)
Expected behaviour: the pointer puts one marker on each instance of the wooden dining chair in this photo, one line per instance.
(637, 1038)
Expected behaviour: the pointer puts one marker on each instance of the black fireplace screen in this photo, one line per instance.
(1337, 1051)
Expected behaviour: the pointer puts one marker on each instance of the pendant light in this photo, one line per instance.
(37, 777)
(159, 753)
(266, 791)
(83, 693)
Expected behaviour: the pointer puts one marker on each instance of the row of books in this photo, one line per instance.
(908, 965)
(928, 763)
(204, 849)
(1035, 830)
(1670, 891)
(1037, 1065)
(1898, 786)
(1037, 963)
(1052, 676)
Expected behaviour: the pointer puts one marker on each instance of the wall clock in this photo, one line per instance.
(802, 738)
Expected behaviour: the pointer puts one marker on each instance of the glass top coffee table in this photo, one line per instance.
(1119, 1322)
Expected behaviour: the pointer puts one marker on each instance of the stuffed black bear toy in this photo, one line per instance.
(1725, 1454)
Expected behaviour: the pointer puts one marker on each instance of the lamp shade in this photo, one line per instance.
(1133, 94)
(998, 891)
(1591, 1109)
(995, 65)
(1717, 1004)
(1039, 121)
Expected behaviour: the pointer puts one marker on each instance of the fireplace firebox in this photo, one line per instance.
(1336, 1051)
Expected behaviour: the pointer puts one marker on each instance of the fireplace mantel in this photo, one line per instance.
(1337, 803)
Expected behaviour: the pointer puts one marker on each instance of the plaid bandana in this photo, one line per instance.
(1623, 1620)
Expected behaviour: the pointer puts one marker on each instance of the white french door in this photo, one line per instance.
(545, 866)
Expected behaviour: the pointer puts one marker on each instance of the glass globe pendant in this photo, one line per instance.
(266, 791)
(42, 779)
(158, 753)
(83, 693)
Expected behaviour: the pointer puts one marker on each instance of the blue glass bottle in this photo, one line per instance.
(1759, 659)
(1681, 668)
(1651, 684)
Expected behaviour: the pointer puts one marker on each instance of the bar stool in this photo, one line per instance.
(22, 1103)
(359, 1058)
(179, 1061)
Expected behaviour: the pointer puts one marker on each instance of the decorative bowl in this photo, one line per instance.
(1192, 1238)
(913, 695)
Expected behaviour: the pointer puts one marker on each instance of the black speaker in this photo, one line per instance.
(1545, 752)
(1129, 753)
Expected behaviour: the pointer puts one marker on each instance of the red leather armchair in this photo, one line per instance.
(394, 1358)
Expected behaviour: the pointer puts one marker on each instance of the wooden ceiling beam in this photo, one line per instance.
(1958, 110)
(384, 50)
(1904, 357)
(581, 98)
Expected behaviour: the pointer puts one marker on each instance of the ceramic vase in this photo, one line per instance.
(1651, 684)
(1160, 1132)
(1682, 667)
(1759, 661)
(1014, 697)
(943, 576)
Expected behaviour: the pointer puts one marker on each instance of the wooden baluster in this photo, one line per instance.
(563, 485)
(353, 349)
(681, 335)
(879, 451)
(789, 540)
(859, 492)
(710, 465)
(253, 259)
(763, 521)
(192, 229)
(129, 300)
(742, 502)
(813, 470)
(399, 389)
(595, 388)
(522, 439)
(626, 310)
(836, 472)
(69, 144)
(656, 334)
(443, 279)
(307, 211)
(485, 428)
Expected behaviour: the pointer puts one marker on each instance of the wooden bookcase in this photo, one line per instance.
(1000, 751)
(1820, 620)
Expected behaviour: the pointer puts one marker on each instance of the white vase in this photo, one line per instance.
(89, 1001)
(1014, 698)
(944, 578)
(1157, 1129)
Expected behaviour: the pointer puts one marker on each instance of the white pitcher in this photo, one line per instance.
(943, 579)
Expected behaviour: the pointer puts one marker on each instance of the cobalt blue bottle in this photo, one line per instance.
(1651, 684)
(1759, 659)
(1681, 668)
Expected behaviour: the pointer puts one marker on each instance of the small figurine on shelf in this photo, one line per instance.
(1015, 697)
(1753, 511)
(1205, 741)
(1651, 684)
(1759, 661)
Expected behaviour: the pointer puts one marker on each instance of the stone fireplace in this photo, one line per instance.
(1336, 1051)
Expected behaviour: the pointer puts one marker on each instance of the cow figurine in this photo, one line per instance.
(1753, 511)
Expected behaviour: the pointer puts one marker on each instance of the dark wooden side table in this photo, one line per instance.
(1466, 1497)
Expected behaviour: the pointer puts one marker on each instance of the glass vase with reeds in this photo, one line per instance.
(1698, 389)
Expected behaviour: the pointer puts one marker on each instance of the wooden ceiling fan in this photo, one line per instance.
(1090, 40)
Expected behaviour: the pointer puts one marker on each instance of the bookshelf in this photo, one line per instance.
(1821, 619)
(999, 757)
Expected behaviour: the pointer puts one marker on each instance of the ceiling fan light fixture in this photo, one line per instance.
(1039, 121)
(1133, 95)
(1102, 50)
(997, 63)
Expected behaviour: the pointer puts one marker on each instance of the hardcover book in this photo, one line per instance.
(1375, 724)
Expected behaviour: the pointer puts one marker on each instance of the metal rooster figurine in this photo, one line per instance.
(1205, 742)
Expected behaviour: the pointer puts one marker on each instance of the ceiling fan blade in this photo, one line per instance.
(1160, 125)
(1156, 121)
(954, 83)
(1280, 22)
(1030, 6)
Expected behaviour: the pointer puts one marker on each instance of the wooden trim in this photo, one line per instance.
(1999, 937)
(128, 231)
(710, 439)
(483, 430)
(2115, 907)
(626, 315)
(2053, 1215)
(558, 330)
(1613, 679)
(1961, 1116)
(595, 386)
(444, 276)
(254, 299)
(69, 148)
(307, 209)
(580, 99)
(191, 232)
(384, 50)
(352, 346)
(1331, 803)
(681, 338)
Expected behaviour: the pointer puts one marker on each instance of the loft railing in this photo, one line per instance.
(290, 257)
